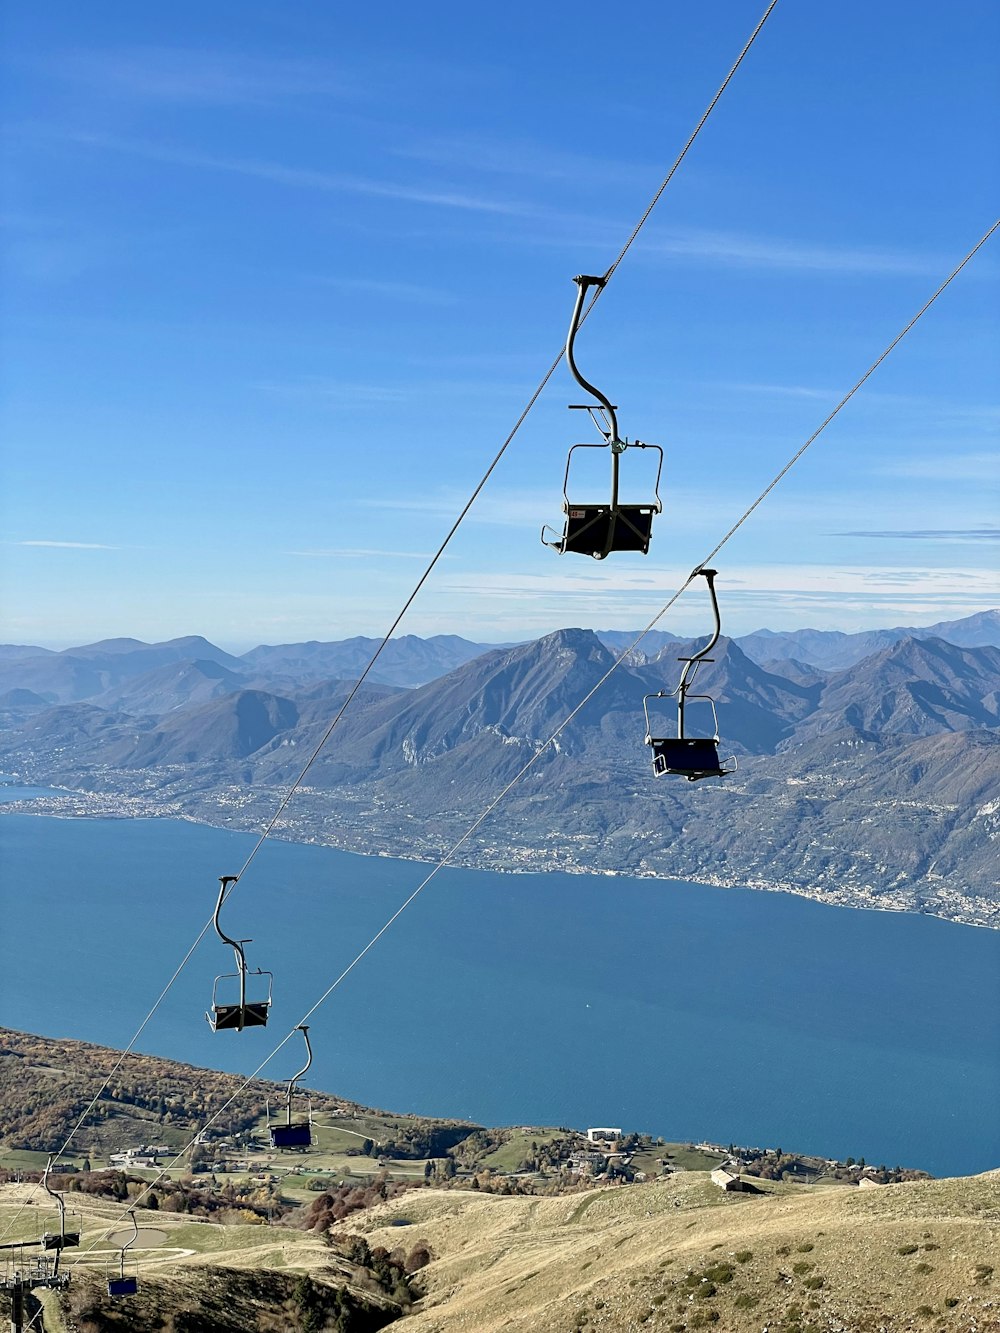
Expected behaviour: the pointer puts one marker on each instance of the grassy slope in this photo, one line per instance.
(619, 1258)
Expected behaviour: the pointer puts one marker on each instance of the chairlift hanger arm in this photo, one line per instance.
(304, 1029)
(692, 663)
(237, 945)
(53, 1194)
(584, 282)
(62, 1215)
(134, 1236)
(702, 654)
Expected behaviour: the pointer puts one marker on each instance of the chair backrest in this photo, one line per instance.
(123, 1286)
(291, 1136)
(60, 1240)
(698, 756)
(597, 529)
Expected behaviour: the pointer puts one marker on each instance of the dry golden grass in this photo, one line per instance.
(913, 1256)
(673, 1254)
(167, 1241)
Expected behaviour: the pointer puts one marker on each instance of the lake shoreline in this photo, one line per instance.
(66, 803)
(550, 998)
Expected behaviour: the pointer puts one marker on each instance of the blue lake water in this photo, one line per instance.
(668, 1007)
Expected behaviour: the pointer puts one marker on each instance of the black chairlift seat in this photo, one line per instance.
(692, 757)
(123, 1286)
(598, 529)
(236, 1017)
(291, 1136)
(60, 1240)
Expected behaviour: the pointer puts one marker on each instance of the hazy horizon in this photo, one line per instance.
(237, 647)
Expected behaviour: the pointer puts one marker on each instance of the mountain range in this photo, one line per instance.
(155, 678)
(877, 782)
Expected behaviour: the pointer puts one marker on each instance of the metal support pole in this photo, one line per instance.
(17, 1306)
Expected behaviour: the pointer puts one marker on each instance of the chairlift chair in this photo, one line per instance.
(691, 757)
(298, 1135)
(236, 1015)
(597, 529)
(122, 1283)
(62, 1239)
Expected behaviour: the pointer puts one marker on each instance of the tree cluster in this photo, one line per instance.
(341, 1201)
(233, 1201)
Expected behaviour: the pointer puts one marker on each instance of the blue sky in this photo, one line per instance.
(280, 279)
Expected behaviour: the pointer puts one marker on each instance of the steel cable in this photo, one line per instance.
(674, 597)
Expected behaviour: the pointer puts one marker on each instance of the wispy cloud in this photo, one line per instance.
(353, 394)
(785, 253)
(522, 157)
(975, 466)
(393, 291)
(795, 581)
(982, 415)
(751, 596)
(948, 535)
(192, 77)
(775, 390)
(360, 553)
(341, 393)
(497, 507)
(70, 546)
(308, 178)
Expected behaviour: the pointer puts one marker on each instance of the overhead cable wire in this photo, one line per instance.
(684, 151)
(850, 394)
(283, 804)
(115, 1068)
(269, 827)
(652, 624)
(481, 819)
(623, 656)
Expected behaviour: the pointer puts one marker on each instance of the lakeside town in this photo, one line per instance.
(321, 820)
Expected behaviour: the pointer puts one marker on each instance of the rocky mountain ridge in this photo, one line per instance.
(873, 785)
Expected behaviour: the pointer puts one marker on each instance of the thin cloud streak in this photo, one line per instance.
(772, 580)
(711, 247)
(520, 158)
(776, 252)
(930, 534)
(397, 291)
(189, 77)
(979, 466)
(69, 546)
(306, 177)
(360, 553)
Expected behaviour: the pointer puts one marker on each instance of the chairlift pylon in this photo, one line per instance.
(692, 757)
(125, 1284)
(600, 528)
(298, 1135)
(244, 1013)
